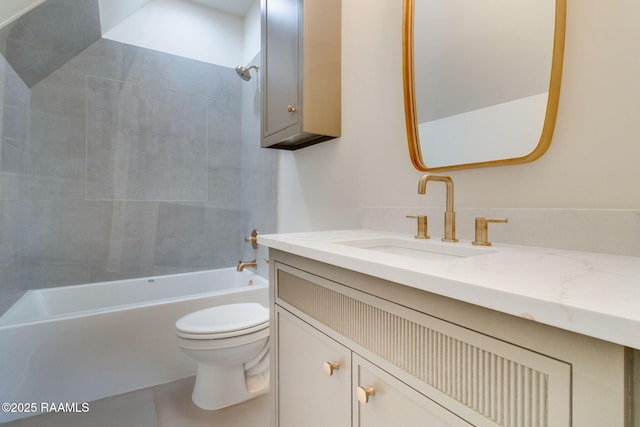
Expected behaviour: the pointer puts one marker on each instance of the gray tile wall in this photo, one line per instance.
(14, 185)
(145, 143)
(139, 164)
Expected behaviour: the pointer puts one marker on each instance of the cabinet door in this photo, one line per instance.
(281, 56)
(313, 382)
(393, 403)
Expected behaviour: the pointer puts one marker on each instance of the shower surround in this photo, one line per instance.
(128, 149)
(137, 165)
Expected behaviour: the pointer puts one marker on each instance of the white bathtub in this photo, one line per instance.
(85, 342)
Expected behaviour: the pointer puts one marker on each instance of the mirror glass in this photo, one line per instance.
(482, 80)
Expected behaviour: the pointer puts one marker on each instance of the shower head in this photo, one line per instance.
(243, 72)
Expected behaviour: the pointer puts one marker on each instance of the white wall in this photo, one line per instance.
(592, 161)
(113, 12)
(184, 28)
(251, 39)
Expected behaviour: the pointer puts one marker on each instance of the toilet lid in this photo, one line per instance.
(224, 318)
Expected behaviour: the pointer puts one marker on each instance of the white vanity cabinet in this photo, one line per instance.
(419, 359)
(300, 72)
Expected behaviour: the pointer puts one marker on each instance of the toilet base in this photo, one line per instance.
(232, 367)
(219, 386)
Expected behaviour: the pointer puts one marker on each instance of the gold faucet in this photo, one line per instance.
(242, 265)
(449, 214)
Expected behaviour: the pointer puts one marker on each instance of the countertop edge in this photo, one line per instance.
(584, 319)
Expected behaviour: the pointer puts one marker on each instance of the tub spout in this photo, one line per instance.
(242, 265)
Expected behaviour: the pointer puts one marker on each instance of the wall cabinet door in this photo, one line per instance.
(392, 402)
(313, 379)
(301, 71)
(282, 51)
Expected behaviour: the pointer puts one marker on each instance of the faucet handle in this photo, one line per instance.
(422, 226)
(482, 230)
(253, 239)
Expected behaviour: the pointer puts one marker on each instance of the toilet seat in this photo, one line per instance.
(223, 321)
(219, 336)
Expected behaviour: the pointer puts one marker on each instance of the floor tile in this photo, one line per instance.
(175, 409)
(134, 409)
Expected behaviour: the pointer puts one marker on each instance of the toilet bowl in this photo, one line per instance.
(231, 345)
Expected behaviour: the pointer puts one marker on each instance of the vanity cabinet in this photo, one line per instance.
(315, 377)
(300, 73)
(406, 357)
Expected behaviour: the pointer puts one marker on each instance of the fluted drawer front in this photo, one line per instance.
(497, 383)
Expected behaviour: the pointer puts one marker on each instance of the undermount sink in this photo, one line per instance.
(420, 249)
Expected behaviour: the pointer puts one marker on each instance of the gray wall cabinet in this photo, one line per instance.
(300, 73)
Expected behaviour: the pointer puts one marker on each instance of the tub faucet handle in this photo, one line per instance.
(253, 239)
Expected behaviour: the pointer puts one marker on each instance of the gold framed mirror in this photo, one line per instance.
(481, 80)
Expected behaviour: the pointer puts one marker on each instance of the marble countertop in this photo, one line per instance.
(593, 294)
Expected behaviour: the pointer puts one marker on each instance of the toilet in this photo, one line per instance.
(231, 345)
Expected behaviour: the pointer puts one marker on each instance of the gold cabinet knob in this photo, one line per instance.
(291, 108)
(364, 394)
(330, 367)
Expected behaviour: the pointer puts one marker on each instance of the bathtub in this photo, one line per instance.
(76, 344)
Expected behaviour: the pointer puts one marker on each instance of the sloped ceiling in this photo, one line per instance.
(46, 37)
(49, 35)
(11, 9)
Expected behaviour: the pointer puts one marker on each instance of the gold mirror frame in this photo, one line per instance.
(415, 153)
